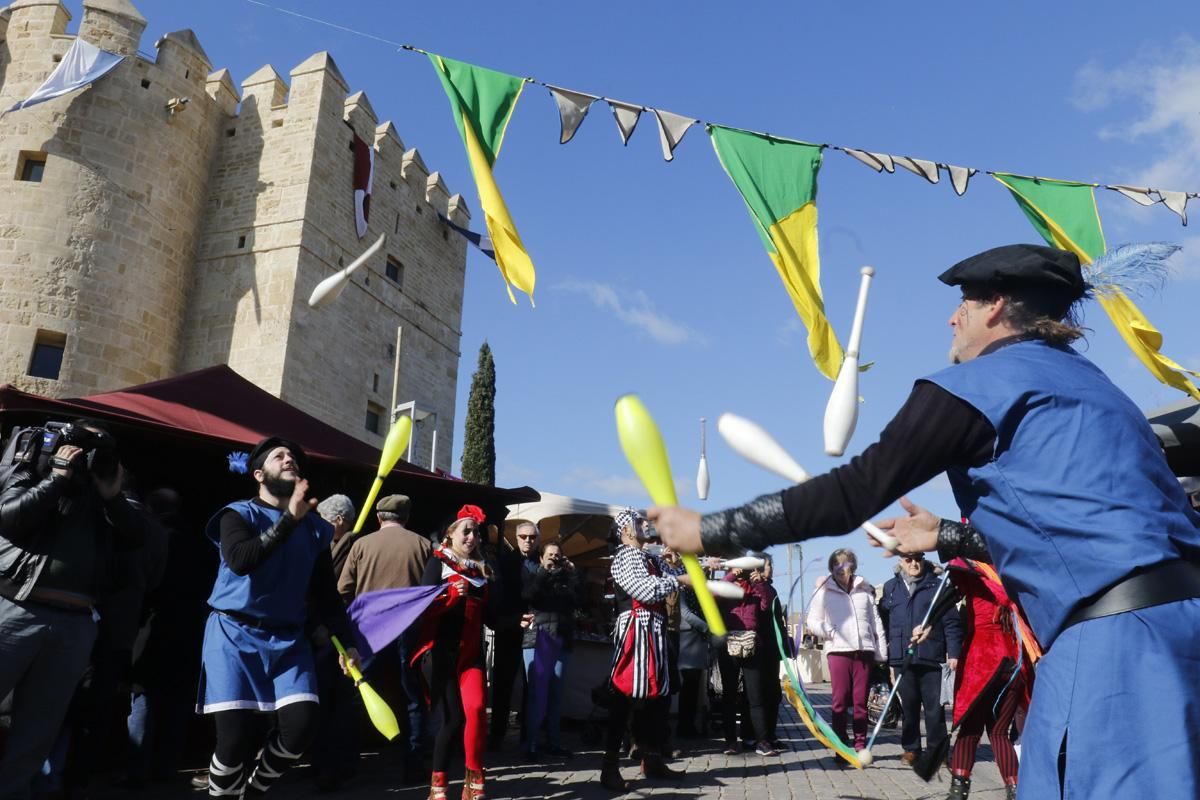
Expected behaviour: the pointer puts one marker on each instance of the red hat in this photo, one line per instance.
(473, 512)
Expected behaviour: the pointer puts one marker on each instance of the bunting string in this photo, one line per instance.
(777, 179)
(671, 132)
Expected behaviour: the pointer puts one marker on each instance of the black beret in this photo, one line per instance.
(263, 449)
(1021, 265)
(394, 504)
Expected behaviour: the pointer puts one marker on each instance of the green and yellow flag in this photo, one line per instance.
(482, 101)
(778, 181)
(1066, 216)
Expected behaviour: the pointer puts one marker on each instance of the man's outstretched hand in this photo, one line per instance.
(917, 532)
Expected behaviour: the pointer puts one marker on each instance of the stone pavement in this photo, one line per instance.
(806, 771)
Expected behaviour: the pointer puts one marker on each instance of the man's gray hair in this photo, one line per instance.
(524, 524)
(334, 506)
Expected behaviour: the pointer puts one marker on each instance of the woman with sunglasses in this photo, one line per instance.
(843, 613)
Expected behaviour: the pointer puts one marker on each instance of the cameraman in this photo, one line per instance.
(553, 595)
(62, 521)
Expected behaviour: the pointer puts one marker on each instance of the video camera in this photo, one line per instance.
(37, 445)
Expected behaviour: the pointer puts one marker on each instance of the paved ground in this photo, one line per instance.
(805, 772)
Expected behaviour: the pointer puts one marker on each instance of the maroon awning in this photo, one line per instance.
(178, 431)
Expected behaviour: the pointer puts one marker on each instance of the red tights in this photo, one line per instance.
(463, 707)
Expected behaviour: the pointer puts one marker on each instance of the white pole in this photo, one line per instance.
(396, 375)
(433, 450)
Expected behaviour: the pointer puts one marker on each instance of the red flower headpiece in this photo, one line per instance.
(473, 512)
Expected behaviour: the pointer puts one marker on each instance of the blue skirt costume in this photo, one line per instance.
(1077, 496)
(268, 664)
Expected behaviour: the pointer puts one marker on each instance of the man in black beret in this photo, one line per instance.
(256, 658)
(1067, 490)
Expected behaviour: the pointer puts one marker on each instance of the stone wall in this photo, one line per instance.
(101, 250)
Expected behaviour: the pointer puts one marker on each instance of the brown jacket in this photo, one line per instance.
(392, 557)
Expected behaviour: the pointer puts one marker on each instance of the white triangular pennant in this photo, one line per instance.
(1137, 194)
(926, 169)
(876, 161)
(1177, 202)
(671, 128)
(626, 115)
(959, 177)
(572, 108)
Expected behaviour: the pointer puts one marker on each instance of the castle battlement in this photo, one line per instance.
(162, 236)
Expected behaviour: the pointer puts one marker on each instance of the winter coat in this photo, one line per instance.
(904, 611)
(849, 622)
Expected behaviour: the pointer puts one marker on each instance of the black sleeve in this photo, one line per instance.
(933, 431)
(131, 526)
(26, 502)
(958, 539)
(326, 601)
(244, 548)
(534, 586)
(432, 576)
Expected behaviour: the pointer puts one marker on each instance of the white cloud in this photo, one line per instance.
(1161, 85)
(1185, 265)
(636, 309)
(790, 331)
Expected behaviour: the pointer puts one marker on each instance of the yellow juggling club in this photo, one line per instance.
(393, 446)
(644, 448)
(377, 708)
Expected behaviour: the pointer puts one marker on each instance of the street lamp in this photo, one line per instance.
(419, 413)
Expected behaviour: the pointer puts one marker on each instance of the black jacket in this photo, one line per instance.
(35, 511)
(904, 611)
(553, 598)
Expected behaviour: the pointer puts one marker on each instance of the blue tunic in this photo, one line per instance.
(1076, 496)
(262, 667)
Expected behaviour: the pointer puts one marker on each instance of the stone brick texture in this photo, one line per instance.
(161, 241)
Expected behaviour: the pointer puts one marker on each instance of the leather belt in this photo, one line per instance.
(1165, 582)
(258, 622)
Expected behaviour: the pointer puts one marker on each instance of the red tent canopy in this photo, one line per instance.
(202, 415)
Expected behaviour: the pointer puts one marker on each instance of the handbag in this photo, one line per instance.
(740, 644)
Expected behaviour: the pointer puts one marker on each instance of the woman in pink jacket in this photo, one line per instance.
(843, 612)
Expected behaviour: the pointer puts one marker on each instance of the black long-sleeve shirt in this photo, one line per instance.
(932, 431)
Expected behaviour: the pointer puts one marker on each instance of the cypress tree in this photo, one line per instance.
(479, 440)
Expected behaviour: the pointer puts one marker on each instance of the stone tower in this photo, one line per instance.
(165, 237)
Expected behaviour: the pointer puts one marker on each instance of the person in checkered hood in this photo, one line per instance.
(640, 678)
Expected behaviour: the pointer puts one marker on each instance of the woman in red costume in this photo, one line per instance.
(450, 651)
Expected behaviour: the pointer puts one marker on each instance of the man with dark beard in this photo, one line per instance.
(274, 554)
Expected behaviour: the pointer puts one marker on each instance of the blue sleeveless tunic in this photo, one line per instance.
(262, 667)
(1076, 496)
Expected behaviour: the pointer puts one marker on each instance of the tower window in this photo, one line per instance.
(375, 382)
(395, 272)
(46, 360)
(31, 166)
(145, 83)
(374, 421)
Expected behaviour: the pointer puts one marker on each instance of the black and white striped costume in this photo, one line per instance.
(640, 667)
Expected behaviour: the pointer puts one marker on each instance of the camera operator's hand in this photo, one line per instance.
(65, 455)
(297, 506)
(110, 487)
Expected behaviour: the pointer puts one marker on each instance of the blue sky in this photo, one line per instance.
(650, 275)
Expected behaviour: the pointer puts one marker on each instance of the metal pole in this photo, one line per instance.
(433, 449)
(396, 372)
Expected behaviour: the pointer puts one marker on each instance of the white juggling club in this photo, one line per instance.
(841, 413)
(754, 444)
(328, 290)
(726, 590)
(745, 562)
(702, 472)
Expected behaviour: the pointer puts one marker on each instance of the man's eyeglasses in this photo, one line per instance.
(528, 537)
(912, 559)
